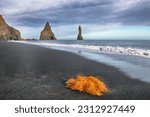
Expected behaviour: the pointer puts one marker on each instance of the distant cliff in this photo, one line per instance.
(7, 32)
(80, 34)
(47, 33)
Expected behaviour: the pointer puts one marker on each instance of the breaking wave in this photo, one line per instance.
(93, 48)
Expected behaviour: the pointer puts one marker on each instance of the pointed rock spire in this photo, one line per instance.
(7, 32)
(47, 27)
(80, 33)
(47, 33)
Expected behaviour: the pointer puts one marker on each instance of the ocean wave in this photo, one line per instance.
(93, 48)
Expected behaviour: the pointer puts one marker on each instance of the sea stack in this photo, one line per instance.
(80, 33)
(7, 32)
(47, 33)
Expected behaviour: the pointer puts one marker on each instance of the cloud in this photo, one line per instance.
(23, 6)
(61, 12)
(126, 4)
(69, 12)
(66, 15)
(137, 15)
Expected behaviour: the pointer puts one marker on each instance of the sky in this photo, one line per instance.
(100, 19)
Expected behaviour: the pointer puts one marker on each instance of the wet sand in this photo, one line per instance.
(37, 73)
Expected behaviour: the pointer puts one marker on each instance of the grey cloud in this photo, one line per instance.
(90, 4)
(5, 3)
(91, 12)
(138, 15)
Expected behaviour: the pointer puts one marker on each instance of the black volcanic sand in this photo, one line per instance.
(32, 72)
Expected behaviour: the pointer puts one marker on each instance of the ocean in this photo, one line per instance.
(130, 56)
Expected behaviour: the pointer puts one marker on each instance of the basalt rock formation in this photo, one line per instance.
(80, 34)
(47, 33)
(7, 32)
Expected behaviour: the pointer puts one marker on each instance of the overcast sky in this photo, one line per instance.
(100, 19)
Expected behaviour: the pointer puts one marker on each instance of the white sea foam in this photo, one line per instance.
(139, 69)
(93, 48)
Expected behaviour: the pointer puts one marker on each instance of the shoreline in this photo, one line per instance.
(120, 61)
(33, 72)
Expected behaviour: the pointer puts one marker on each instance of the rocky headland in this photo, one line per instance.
(7, 32)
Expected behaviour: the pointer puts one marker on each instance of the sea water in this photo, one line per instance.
(130, 56)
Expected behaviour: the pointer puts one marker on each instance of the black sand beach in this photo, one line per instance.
(32, 72)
